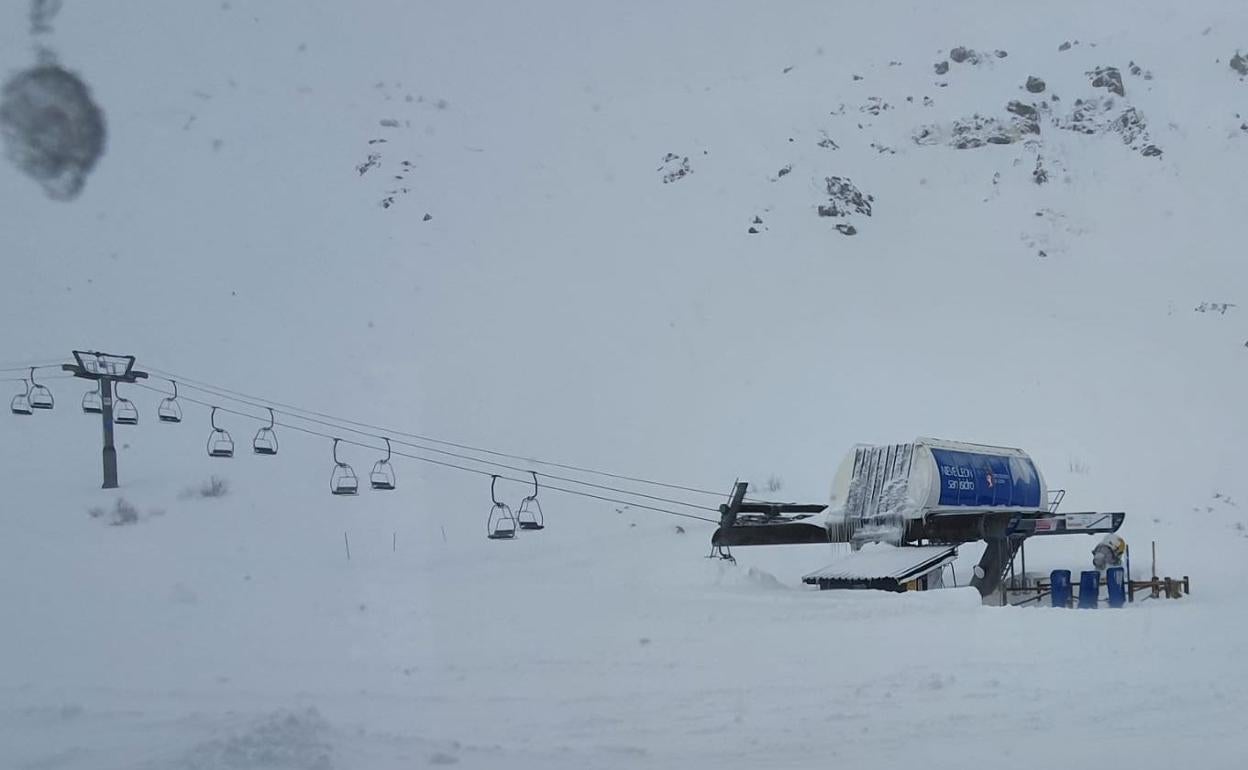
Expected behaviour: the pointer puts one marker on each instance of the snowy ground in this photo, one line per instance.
(562, 301)
(222, 636)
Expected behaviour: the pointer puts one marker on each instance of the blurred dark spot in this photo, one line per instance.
(53, 132)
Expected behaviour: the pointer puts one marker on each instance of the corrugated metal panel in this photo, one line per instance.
(883, 561)
(878, 480)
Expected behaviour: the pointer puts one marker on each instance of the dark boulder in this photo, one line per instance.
(1109, 78)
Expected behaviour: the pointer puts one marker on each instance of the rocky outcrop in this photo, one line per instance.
(844, 200)
(1108, 78)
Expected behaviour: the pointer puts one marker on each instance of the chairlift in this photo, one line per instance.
(169, 409)
(220, 443)
(39, 396)
(529, 515)
(91, 402)
(501, 524)
(265, 442)
(382, 477)
(21, 402)
(124, 411)
(343, 480)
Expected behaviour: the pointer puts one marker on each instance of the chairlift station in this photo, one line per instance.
(924, 493)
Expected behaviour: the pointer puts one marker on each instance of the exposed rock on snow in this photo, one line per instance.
(1139, 71)
(941, 67)
(371, 162)
(1030, 118)
(1034, 84)
(844, 198)
(1097, 116)
(1040, 174)
(1109, 78)
(874, 106)
(962, 54)
(980, 130)
(1239, 63)
(674, 167)
(926, 135)
(977, 131)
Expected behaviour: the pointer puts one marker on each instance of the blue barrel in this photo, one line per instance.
(1116, 587)
(1089, 589)
(1059, 580)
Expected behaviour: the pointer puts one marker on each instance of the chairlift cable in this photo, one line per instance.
(442, 463)
(13, 366)
(342, 423)
(235, 394)
(456, 455)
(41, 378)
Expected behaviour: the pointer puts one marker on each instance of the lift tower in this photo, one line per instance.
(105, 369)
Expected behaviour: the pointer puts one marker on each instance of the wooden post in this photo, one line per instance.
(347, 543)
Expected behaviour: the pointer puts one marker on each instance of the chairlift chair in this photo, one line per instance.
(343, 480)
(382, 476)
(21, 402)
(169, 409)
(529, 515)
(220, 443)
(265, 442)
(39, 396)
(124, 411)
(501, 524)
(91, 402)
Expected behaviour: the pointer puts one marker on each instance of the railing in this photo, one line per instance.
(1056, 496)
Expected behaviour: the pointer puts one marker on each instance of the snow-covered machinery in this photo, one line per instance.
(926, 490)
(932, 489)
(1109, 552)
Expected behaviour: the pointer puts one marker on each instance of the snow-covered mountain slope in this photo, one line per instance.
(258, 221)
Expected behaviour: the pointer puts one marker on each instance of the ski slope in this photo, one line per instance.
(561, 301)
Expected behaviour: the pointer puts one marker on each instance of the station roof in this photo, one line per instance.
(877, 561)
